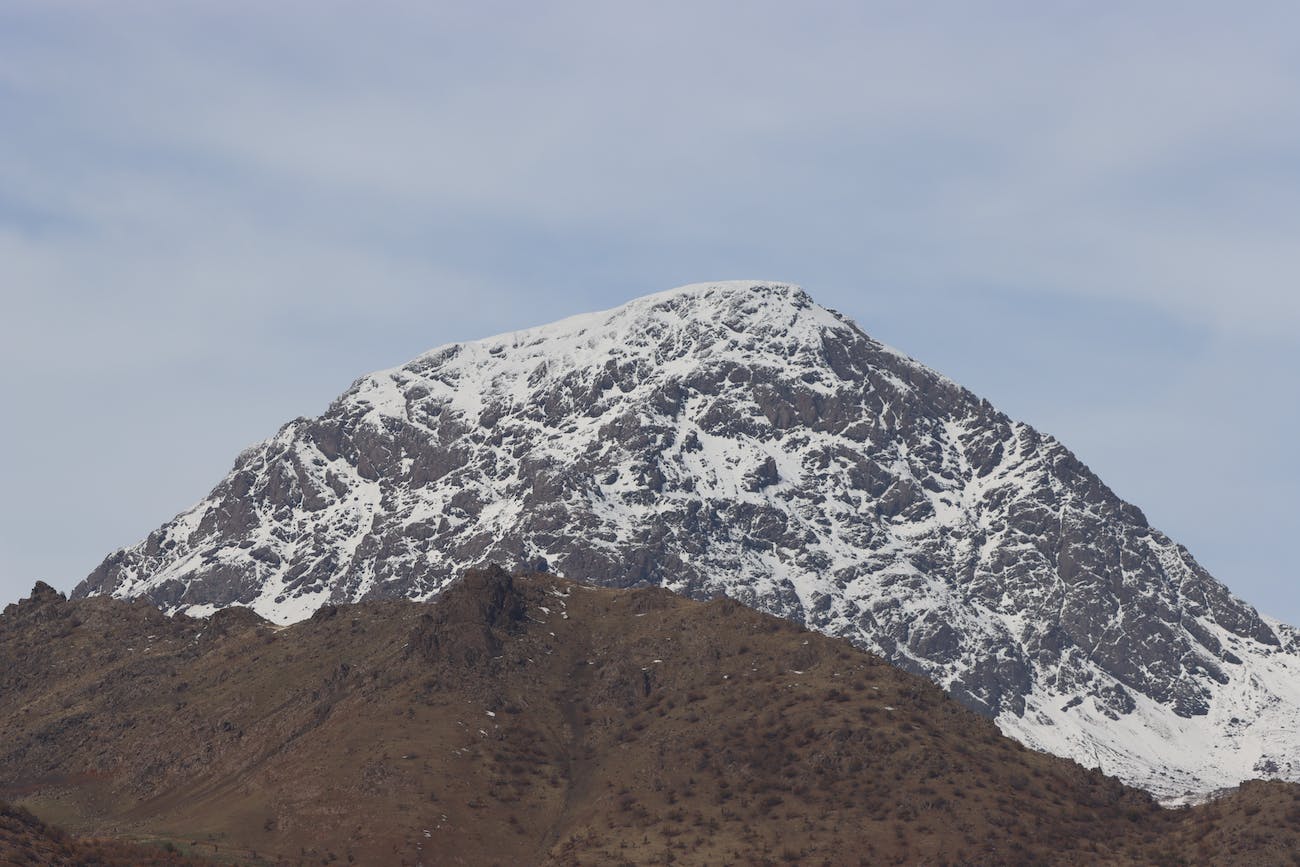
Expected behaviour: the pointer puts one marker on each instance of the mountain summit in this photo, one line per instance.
(737, 438)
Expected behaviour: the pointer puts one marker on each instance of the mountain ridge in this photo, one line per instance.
(528, 719)
(738, 438)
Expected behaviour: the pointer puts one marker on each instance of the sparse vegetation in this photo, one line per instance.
(686, 735)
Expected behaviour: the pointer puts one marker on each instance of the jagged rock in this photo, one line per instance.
(464, 627)
(42, 597)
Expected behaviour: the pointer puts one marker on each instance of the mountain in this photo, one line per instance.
(26, 840)
(737, 438)
(528, 719)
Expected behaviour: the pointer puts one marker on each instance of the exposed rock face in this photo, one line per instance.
(466, 624)
(42, 595)
(740, 439)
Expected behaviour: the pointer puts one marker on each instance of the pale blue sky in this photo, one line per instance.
(214, 216)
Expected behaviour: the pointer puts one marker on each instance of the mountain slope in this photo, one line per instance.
(737, 438)
(26, 841)
(526, 719)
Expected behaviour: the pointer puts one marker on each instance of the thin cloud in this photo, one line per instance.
(203, 191)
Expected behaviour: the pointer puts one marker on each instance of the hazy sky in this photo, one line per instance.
(215, 216)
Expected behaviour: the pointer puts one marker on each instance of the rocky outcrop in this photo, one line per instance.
(470, 619)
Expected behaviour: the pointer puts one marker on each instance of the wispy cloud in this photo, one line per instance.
(283, 196)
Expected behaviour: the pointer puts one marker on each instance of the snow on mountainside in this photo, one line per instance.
(738, 438)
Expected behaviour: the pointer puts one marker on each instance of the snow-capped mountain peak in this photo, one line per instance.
(739, 438)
